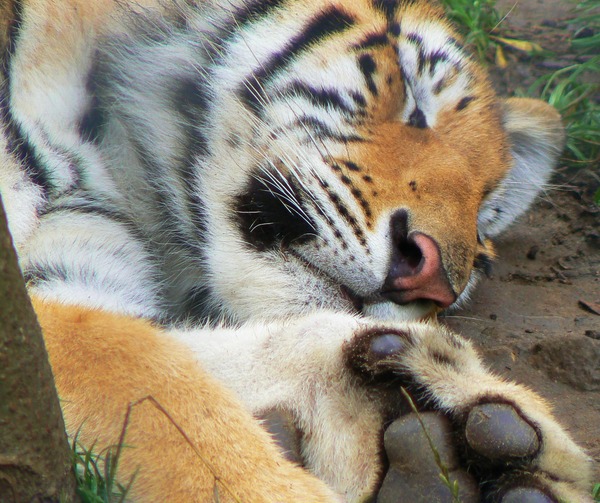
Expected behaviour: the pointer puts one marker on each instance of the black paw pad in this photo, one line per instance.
(413, 475)
(406, 442)
(386, 345)
(372, 353)
(526, 495)
(498, 433)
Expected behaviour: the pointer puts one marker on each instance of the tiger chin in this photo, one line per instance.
(241, 219)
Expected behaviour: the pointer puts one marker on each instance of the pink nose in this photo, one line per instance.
(416, 270)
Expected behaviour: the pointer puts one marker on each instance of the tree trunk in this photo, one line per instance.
(35, 458)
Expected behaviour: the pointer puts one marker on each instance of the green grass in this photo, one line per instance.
(478, 20)
(573, 96)
(572, 90)
(444, 473)
(575, 90)
(96, 476)
(480, 24)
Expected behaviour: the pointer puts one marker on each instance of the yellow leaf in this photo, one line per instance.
(521, 45)
(500, 59)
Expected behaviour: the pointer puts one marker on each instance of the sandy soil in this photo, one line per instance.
(537, 319)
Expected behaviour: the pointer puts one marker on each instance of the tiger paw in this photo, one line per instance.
(475, 437)
(427, 466)
(420, 448)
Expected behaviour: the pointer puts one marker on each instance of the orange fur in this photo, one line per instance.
(104, 362)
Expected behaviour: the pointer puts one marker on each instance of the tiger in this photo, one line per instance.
(238, 221)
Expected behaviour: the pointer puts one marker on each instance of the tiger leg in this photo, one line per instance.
(341, 379)
(103, 363)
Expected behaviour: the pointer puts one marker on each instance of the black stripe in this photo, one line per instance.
(415, 39)
(73, 160)
(395, 29)
(250, 13)
(192, 102)
(387, 7)
(343, 211)
(330, 221)
(17, 143)
(190, 99)
(197, 307)
(368, 67)
(454, 43)
(19, 146)
(92, 122)
(13, 29)
(484, 263)
(373, 40)
(359, 99)
(36, 274)
(327, 23)
(356, 192)
(341, 208)
(417, 119)
(352, 166)
(87, 206)
(325, 98)
(422, 61)
(322, 130)
(464, 103)
(174, 232)
(436, 58)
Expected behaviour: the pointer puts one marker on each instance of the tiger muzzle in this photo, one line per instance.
(416, 270)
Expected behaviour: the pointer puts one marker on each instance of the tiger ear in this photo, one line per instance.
(537, 138)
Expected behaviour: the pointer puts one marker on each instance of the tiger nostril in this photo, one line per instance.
(409, 258)
(416, 270)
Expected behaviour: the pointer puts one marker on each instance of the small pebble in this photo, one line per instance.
(594, 334)
(533, 251)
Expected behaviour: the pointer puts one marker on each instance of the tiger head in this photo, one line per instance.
(378, 164)
(345, 155)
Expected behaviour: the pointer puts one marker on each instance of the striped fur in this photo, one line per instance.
(215, 163)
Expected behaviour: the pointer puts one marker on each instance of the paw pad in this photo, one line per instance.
(526, 495)
(498, 433)
(413, 475)
(386, 345)
(373, 353)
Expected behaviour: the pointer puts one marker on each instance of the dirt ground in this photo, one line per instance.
(537, 319)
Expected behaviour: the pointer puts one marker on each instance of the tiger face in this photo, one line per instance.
(376, 164)
(279, 157)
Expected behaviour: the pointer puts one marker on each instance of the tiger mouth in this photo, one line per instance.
(357, 302)
(373, 304)
(382, 308)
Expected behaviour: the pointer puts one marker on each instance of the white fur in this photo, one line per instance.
(289, 353)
